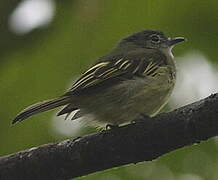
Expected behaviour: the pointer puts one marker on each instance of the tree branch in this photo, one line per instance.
(141, 141)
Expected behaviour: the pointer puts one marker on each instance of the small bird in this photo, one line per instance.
(136, 77)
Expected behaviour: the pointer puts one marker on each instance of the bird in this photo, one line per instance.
(136, 77)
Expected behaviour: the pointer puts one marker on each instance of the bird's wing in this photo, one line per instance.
(106, 70)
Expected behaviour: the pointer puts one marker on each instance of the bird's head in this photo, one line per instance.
(150, 39)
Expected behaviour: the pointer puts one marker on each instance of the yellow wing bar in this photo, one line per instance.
(105, 70)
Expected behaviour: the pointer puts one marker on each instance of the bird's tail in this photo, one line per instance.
(41, 107)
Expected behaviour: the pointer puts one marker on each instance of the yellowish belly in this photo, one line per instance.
(126, 101)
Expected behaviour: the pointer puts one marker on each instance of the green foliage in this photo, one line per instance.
(43, 64)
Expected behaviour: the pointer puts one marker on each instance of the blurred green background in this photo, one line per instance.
(46, 44)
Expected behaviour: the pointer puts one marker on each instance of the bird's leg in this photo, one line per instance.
(145, 116)
(142, 118)
(110, 126)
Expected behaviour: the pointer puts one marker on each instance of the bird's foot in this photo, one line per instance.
(142, 118)
(145, 116)
(110, 126)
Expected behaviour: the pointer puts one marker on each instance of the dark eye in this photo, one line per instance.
(155, 38)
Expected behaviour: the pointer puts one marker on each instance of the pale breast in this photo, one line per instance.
(126, 101)
(152, 93)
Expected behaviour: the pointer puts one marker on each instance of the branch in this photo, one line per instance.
(140, 141)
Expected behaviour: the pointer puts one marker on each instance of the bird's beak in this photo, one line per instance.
(173, 41)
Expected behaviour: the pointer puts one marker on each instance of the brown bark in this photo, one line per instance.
(140, 141)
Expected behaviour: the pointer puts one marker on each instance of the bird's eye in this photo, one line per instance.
(155, 38)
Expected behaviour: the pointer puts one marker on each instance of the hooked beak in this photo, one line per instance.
(173, 41)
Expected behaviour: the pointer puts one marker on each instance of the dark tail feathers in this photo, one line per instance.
(41, 107)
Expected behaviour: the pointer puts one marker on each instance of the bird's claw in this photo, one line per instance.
(110, 126)
(142, 118)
